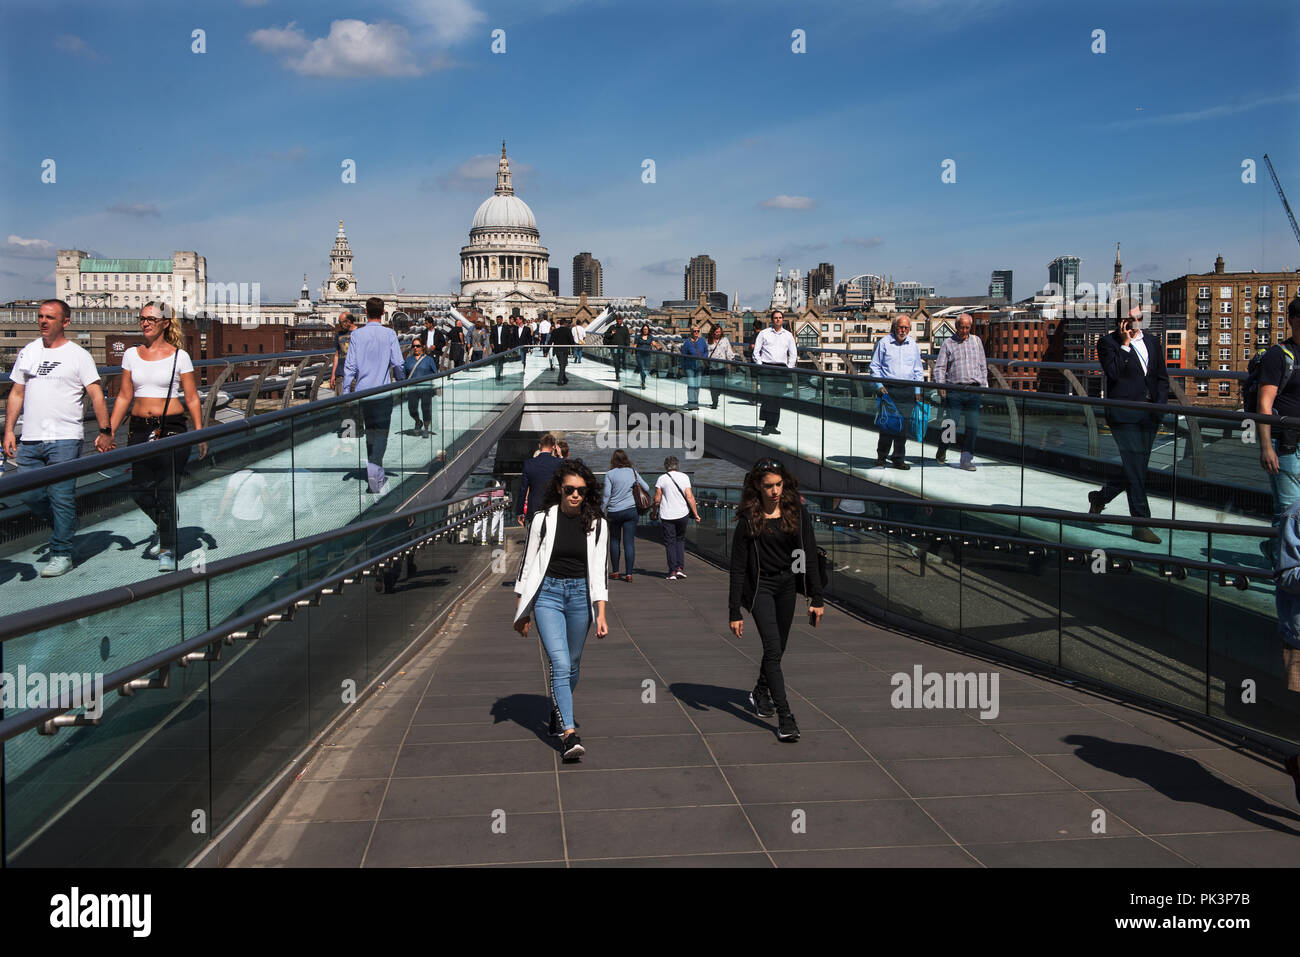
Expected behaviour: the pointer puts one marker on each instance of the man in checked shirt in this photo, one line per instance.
(962, 362)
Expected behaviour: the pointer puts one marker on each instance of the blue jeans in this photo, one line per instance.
(1286, 490)
(57, 503)
(642, 365)
(675, 542)
(563, 619)
(692, 385)
(622, 524)
(965, 405)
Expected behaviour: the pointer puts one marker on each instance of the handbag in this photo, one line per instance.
(888, 419)
(920, 419)
(640, 497)
(161, 431)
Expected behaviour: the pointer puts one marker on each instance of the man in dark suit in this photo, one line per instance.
(1134, 363)
(536, 476)
(561, 340)
(503, 339)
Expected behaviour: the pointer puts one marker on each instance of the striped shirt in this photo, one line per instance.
(962, 363)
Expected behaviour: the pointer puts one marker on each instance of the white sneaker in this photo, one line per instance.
(672, 577)
(166, 560)
(56, 566)
(383, 490)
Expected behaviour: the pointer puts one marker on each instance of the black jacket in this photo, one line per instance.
(745, 566)
(499, 337)
(562, 336)
(618, 336)
(1125, 379)
(532, 483)
(525, 335)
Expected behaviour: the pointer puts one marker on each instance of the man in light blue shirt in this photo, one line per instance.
(897, 358)
(372, 351)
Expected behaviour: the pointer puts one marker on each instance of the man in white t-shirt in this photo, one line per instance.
(49, 379)
(675, 500)
(579, 335)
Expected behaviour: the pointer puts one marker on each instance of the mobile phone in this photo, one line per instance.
(812, 619)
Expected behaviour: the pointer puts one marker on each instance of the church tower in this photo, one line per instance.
(1118, 288)
(779, 299)
(341, 284)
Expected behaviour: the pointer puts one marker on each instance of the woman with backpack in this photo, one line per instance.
(562, 584)
(773, 557)
(621, 508)
(673, 502)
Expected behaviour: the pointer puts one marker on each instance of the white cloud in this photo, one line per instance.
(665, 267)
(450, 20)
(1213, 112)
(285, 39)
(21, 248)
(868, 242)
(137, 210)
(74, 45)
(477, 173)
(788, 202)
(352, 48)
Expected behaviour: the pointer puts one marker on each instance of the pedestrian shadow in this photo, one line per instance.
(532, 712)
(89, 544)
(22, 571)
(1180, 778)
(730, 701)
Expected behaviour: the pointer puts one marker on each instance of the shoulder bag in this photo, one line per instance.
(640, 496)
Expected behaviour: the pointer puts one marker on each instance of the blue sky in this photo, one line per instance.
(831, 155)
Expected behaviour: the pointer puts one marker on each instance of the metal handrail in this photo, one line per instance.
(258, 620)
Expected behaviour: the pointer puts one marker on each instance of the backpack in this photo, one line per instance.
(1250, 388)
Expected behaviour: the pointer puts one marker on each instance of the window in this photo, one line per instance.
(1245, 306)
(1224, 367)
(1225, 354)
(1225, 292)
(1225, 388)
(1203, 292)
(1202, 388)
(1245, 355)
(1245, 291)
(1245, 338)
(1263, 292)
(1225, 338)
(837, 327)
(1225, 308)
(1175, 354)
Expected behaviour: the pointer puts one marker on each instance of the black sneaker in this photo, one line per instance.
(571, 747)
(761, 701)
(554, 729)
(787, 729)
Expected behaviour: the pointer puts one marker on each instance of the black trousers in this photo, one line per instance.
(773, 613)
(563, 356)
(897, 442)
(501, 366)
(772, 386)
(1134, 440)
(156, 480)
(420, 400)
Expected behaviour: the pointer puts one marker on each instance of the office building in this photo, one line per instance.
(586, 275)
(701, 276)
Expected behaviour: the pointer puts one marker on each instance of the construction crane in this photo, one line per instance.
(398, 292)
(1282, 196)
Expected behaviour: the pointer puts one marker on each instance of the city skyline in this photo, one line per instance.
(788, 162)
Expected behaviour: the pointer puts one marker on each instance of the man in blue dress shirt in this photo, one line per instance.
(372, 351)
(897, 358)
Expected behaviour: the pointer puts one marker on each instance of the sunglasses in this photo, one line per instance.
(768, 465)
(578, 490)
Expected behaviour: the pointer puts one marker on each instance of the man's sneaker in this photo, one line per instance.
(681, 573)
(941, 456)
(56, 566)
(761, 701)
(571, 747)
(166, 560)
(880, 461)
(900, 464)
(555, 729)
(787, 730)
(1144, 534)
(672, 577)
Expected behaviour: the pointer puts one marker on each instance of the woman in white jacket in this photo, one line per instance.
(562, 584)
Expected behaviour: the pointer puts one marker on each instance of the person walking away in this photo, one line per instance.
(693, 350)
(477, 341)
(1134, 364)
(536, 474)
(897, 358)
(562, 584)
(720, 352)
(561, 342)
(373, 353)
(456, 344)
(500, 337)
(620, 508)
(773, 558)
(49, 378)
(962, 362)
(526, 340)
(619, 338)
(579, 337)
(419, 403)
(774, 347)
(154, 377)
(674, 500)
(544, 337)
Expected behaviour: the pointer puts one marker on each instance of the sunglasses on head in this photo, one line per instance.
(768, 465)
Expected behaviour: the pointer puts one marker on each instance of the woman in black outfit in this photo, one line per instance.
(771, 552)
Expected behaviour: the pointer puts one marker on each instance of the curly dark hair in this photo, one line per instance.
(751, 498)
(590, 508)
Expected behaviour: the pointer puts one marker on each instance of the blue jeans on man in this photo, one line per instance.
(964, 405)
(563, 618)
(56, 503)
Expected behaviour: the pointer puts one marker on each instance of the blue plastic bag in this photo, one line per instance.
(888, 419)
(920, 419)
